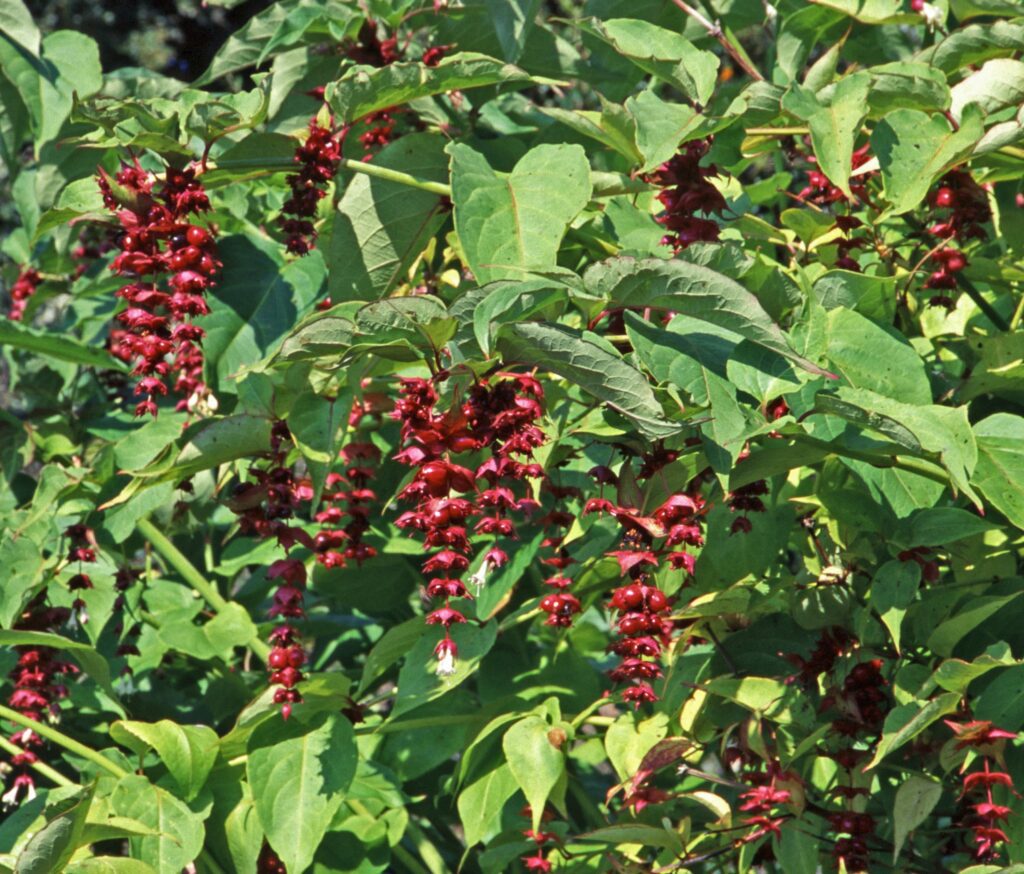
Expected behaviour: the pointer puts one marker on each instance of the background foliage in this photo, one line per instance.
(710, 314)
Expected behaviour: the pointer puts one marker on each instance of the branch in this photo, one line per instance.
(177, 560)
(716, 31)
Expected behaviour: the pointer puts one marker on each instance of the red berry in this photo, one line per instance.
(278, 659)
(435, 475)
(198, 236)
(944, 197)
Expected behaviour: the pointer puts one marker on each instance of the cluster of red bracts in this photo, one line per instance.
(986, 817)
(862, 704)
(351, 497)
(537, 861)
(770, 788)
(687, 192)
(22, 289)
(964, 205)
(641, 606)
(499, 417)
(318, 159)
(159, 239)
(37, 689)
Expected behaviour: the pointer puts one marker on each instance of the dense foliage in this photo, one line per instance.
(504, 436)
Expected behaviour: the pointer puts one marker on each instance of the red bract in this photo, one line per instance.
(160, 239)
(318, 160)
(23, 288)
(499, 417)
(37, 689)
(686, 193)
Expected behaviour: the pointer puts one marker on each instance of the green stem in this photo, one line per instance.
(911, 465)
(262, 166)
(982, 304)
(41, 767)
(61, 739)
(370, 169)
(1017, 313)
(428, 852)
(408, 860)
(177, 560)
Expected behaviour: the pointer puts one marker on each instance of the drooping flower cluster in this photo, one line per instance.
(498, 416)
(266, 508)
(23, 288)
(687, 192)
(351, 498)
(640, 605)
(961, 209)
(81, 550)
(318, 160)
(861, 704)
(159, 239)
(986, 817)
(38, 686)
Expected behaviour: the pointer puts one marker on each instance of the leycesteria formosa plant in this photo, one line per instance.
(516, 437)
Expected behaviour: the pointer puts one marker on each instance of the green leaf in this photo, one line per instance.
(17, 23)
(834, 128)
(536, 763)
(242, 49)
(690, 289)
(907, 721)
(692, 360)
(797, 850)
(393, 644)
(230, 627)
(915, 800)
(907, 85)
(418, 681)
(939, 526)
(91, 661)
(660, 52)
(763, 695)
(481, 802)
(299, 772)
(596, 371)
(874, 297)
(869, 356)
(23, 562)
(931, 429)
(999, 475)
(382, 227)
(180, 832)
(212, 443)
(893, 589)
(109, 865)
(998, 84)
(949, 633)
(512, 21)
(188, 751)
(871, 11)
(60, 347)
(955, 675)
(363, 90)
(661, 127)
(629, 739)
(914, 149)
(509, 223)
(258, 300)
(1001, 702)
(510, 301)
(51, 848)
(974, 44)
